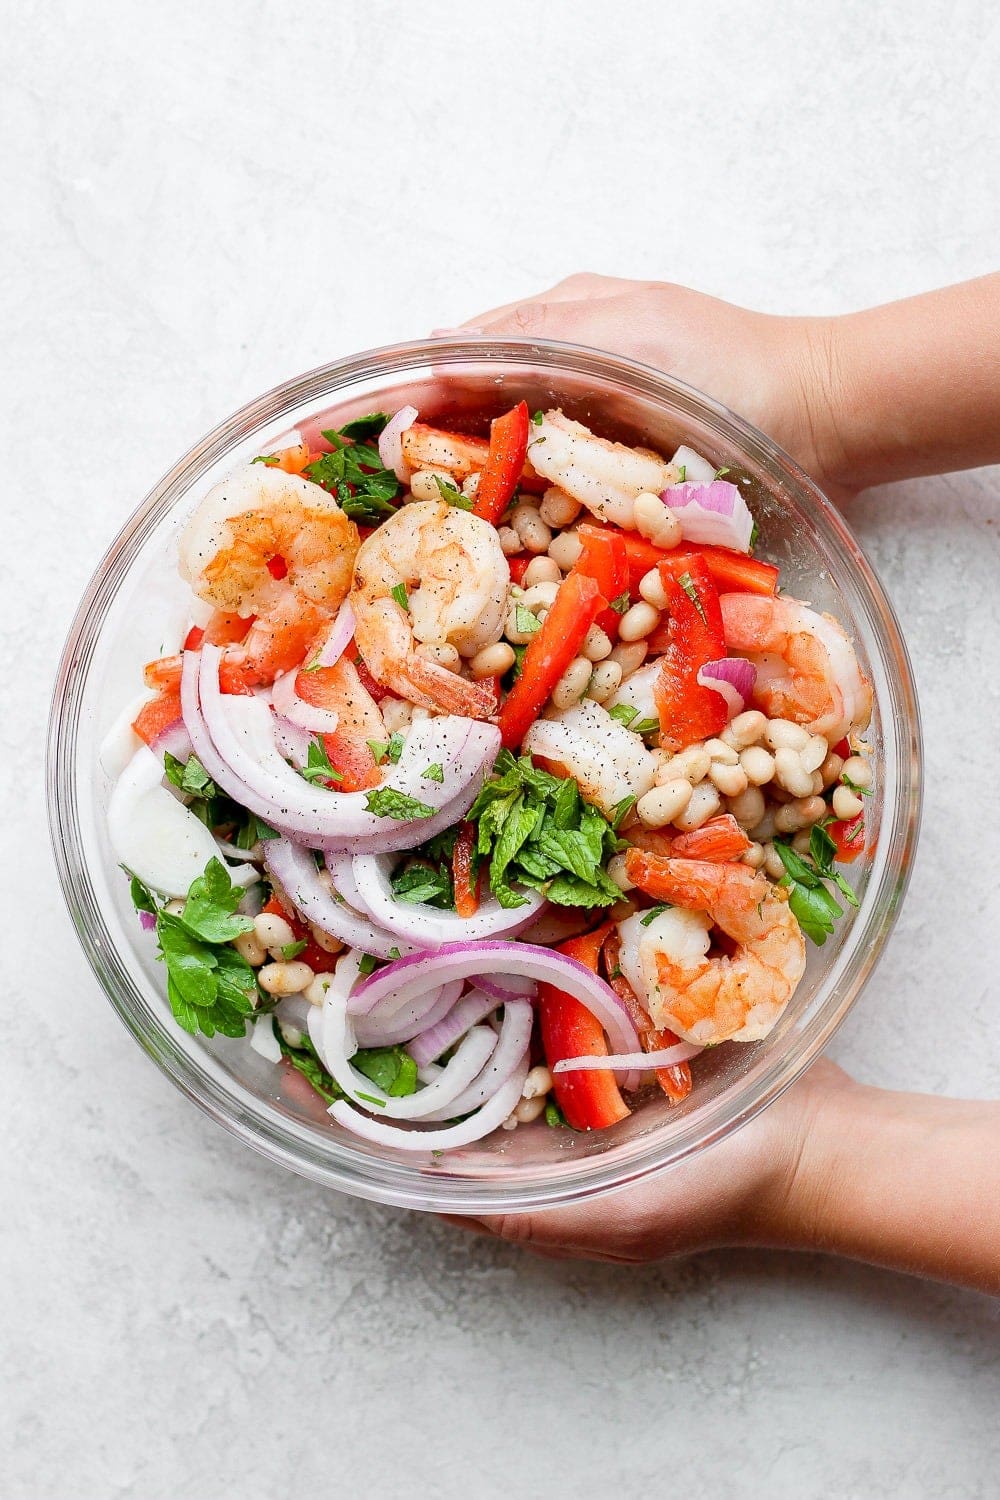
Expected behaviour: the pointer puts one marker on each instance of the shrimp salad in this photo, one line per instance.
(493, 780)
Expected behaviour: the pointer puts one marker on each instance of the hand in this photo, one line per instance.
(761, 1186)
(775, 371)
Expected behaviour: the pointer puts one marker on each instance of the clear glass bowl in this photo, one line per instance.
(134, 610)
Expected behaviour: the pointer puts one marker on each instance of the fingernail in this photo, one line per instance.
(445, 333)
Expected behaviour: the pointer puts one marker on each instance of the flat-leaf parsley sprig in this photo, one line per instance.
(812, 903)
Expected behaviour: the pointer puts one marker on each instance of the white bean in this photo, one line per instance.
(325, 940)
(629, 657)
(787, 818)
(801, 841)
(693, 763)
(538, 1082)
(652, 590)
(395, 713)
(616, 871)
(273, 931)
(315, 992)
(540, 596)
(720, 751)
(638, 622)
(655, 521)
(745, 730)
(814, 753)
(782, 734)
(754, 856)
(492, 661)
(541, 570)
(704, 804)
(772, 862)
(857, 769)
(846, 804)
(470, 486)
(663, 804)
(285, 978)
(558, 508)
(529, 1109)
(175, 907)
(527, 522)
(572, 684)
(443, 652)
(731, 781)
(605, 678)
(510, 542)
(810, 810)
(748, 807)
(564, 549)
(789, 772)
(596, 644)
(423, 484)
(831, 768)
(249, 946)
(764, 830)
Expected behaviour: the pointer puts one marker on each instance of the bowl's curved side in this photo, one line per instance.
(513, 1176)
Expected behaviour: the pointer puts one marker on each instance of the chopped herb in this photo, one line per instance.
(421, 883)
(366, 427)
(754, 534)
(368, 965)
(852, 786)
(652, 913)
(386, 802)
(397, 742)
(305, 1059)
(142, 896)
(719, 473)
(434, 772)
(452, 495)
(525, 622)
(391, 1068)
(646, 726)
(266, 458)
(621, 810)
(400, 595)
(292, 950)
(317, 767)
(621, 604)
(554, 1115)
(538, 418)
(370, 1099)
(810, 902)
(189, 775)
(354, 472)
(682, 473)
(687, 583)
(378, 748)
(624, 713)
(394, 953)
(252, 831)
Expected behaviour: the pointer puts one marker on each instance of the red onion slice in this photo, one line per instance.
(152, 832)
(733, 678)
(696, 469)
(426, 926)
(390, 442)
(338, 639)
(464, 1013)
(289, 705)
(483, 1123)
(294, 868)
(511, 1050)
(401, 1023)
(666, 1057)
(174, 740)
(510, 987)
(713, 514)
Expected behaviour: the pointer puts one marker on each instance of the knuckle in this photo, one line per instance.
(517, 1228)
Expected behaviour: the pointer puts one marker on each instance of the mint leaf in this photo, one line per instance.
(365, 427)
(434, 772)
(397, 743)
(621, 604)
(451, 494)
(525, 621)
(386, 802)
(317, 767)
(391, 1068)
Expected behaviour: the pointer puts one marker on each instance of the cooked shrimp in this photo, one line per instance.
(603, 476)
(807, 670)
(718, 997)
(273, 546)
(454, 580)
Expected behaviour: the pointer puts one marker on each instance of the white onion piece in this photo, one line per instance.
(345, 977)
(433, 1040)
(338, 638)
(246, 764)
(174, 740)
(294, 868)
(666, 1057)
(263, 1039)
(151, 831)
(697, 470)
(426, 926)
(484, 1122)
(713, 514)
(511, 1050)
(733, 678)
(121, 741)
(340, 1045)
(403, 1022)
(390, 442)
(469, 960)
(292, 741)
(290, 706)
(340, 864)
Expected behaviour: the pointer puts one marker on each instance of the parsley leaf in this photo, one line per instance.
(687, 583)
(391, 1068)
(720, 472)
(386, 802)
(452, 495)
(402, 598)
(554, 1115)
(621, 604)
(397, 742)
(525, 621)
(682, 473)
(317, 767)
(434, 772)
(366, 427)
(209, 911)
(368, 965)
(538, 418)
(292, 950)
(189, 776)
(266, 458)
(652, 913)
(812, 904)
(354, 472)
(852, 786)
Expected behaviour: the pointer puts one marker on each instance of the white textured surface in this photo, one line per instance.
(201, 200)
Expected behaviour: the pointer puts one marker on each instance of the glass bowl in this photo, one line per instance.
(134, 610)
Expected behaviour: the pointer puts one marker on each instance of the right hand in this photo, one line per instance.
(775, 371)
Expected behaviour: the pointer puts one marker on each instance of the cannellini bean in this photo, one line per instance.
(605, 678)
(249, 946)
(443, 652)
(572, 684)
(285, 978)
(513, 632)
(652, 590)
(315, 992)
(510, 542)
(325, 940)
(418, 712)
(616, 871)
(527, 522)
(731, 781)
(395, 713)
(720, 751)
(564, 549)
(754, 856)
(745, 730)
(492, 661)
(801, 841)
(704, 804)
(790, 773)
(629, 657)
(831, 768)
(423, 484)
(782, 734)
(596, 644)
(772, 862)
(529, 1109)
(538, 1082)
(857, 769)
(664, 803)
(273, 931)
(638, 622)
(763, 831)
(787, 818)
(846, 804)
(541, 570)
(692, 763)
(748, 807)
(810, 810)
(655, 521)
(815, 753)
(540, 596)
(558, 508)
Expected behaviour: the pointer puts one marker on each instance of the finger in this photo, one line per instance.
(583, 286)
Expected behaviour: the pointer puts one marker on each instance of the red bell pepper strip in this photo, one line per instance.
(505, 460)
(549, 653)
(591, 1099)
(465, 882)
(158, 714)
(849, 837)
(732, 571)
(518, 566)
(688, 711)
(605, 559)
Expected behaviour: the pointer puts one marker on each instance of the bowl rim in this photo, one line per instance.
(272, 1133)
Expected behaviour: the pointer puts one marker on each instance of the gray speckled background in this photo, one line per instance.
(199, 201)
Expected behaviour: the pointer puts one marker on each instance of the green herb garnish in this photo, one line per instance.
(624, 713)
(621, 604)
(682, 473)
(525, 622)
(292, 950)
(402, 598)
(554, 1115)
(852, 786)
(652, 913)
(317, 767)
(434, 772)
(452, 495)
(687, 583)
(812, 904)
(386, 802)
(719, 473)
(538, 418)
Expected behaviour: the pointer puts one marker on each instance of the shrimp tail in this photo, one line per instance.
(434, 686)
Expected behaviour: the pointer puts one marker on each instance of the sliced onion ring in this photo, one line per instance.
(511, 1049)
(484, 1122)
(665, 1057)
(713, 514)
(294, 868)
(290, 706)
(422, 926)
(338, 638)
(733, 678)
(431, 1041)
(390, 444)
